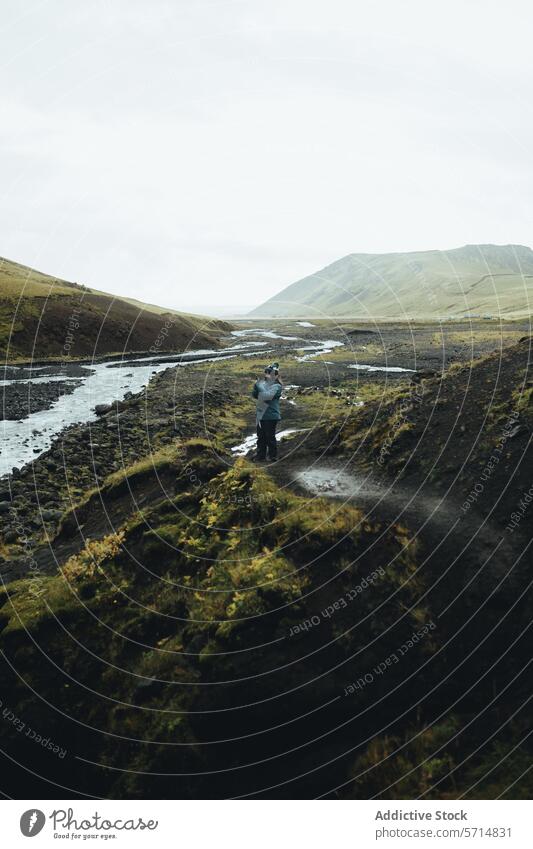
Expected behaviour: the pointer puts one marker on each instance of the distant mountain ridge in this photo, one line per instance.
(43, 316)
(472, 280)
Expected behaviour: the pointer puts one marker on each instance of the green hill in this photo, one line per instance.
(43, 316)
(475, 280)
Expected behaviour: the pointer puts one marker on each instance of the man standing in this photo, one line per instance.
(267, 392)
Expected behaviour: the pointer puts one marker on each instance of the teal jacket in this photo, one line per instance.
(267, 410)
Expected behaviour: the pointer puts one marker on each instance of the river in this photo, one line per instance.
(105, 382)
(102, 383)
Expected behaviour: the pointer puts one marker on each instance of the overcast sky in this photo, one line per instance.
(197, 153)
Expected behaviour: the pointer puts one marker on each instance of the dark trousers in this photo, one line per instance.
(266, 439)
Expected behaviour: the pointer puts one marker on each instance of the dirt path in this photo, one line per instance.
(453, 548)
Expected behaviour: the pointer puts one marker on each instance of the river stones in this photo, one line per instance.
(51, 515)
(21, 399)
(102, 409)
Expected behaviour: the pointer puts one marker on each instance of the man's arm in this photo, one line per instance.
(269, 394)
(272, 394)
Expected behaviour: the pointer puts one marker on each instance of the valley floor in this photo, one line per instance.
(351, 621)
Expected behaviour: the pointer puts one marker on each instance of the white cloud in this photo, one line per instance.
(177, 151)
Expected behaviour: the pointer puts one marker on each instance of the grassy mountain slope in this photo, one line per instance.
(475, 279)
(39, 314)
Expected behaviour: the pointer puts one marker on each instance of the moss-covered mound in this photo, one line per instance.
(236, 639)
(182, 630)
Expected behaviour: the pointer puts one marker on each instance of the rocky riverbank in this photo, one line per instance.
(19, 400)
(175, 405)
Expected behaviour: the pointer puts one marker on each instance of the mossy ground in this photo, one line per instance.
(229, 563)
(167, 653)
